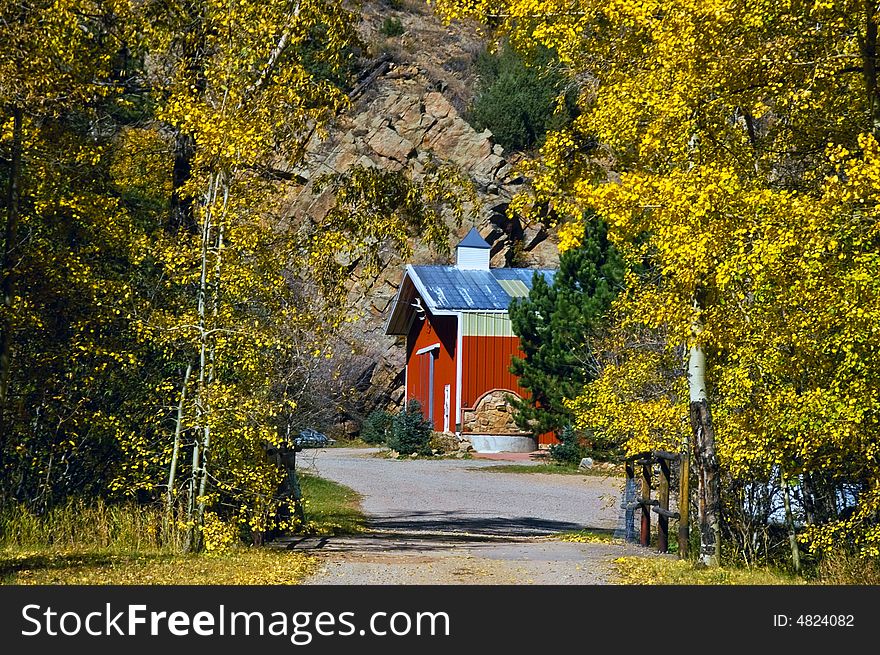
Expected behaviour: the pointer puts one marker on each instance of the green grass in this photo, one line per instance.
(835, 568)
(331, 508)
(392, 27)
(96, 543)
(79, 526)
(667, 571)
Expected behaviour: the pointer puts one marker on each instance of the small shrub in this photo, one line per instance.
(392, 27)
(312, 53)
(377, 427)
(572, 449)
(840, 567)
(219, 535)
(410, 432)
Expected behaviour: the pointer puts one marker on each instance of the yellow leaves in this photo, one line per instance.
(219, 536)
(654, 571)
(587, 537)
(744, 178)
(256, 566)
(142, 163)
(570, 236)
(629, 404)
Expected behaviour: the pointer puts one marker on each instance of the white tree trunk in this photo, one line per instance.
(789, 524)
(198, 459)
(703, 435)
(172, 469)
(206, 440)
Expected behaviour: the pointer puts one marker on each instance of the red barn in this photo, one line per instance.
(459, 343)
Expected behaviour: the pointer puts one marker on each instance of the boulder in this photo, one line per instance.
(388, 143)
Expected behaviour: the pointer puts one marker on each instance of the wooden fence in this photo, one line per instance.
(660, 505)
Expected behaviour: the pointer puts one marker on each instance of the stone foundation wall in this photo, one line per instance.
(493, 414)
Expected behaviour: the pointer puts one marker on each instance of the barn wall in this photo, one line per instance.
(547, 439)
(486, 366)
(434, 329)
(488, 344)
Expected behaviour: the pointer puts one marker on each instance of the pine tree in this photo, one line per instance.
(557, 324)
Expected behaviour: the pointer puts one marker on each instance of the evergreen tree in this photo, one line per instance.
(410, 432)
(517, 96)
(557, 323)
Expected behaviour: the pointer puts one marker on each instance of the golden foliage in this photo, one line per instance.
(252, 566)
(743, 138)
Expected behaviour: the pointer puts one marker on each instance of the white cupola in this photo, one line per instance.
(473, 252)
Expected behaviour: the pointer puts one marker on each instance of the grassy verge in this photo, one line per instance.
(588, 536)
(665, 571)
(561, 469)
(836, 568)
(331, 508)
(102, 544)
(245, 566)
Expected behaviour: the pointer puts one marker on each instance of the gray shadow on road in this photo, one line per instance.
(460, 522)
(421, 531)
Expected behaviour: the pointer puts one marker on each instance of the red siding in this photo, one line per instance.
(434, 329)
(547, 439)
(486, 366)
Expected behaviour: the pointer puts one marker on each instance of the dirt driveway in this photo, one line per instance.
(454, 522)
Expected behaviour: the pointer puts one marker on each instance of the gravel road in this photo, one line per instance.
(453, 495)
(453, 522)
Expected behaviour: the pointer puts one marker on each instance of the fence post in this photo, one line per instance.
(663, 497)
(629, 497)
(645, 532)
(684, 503)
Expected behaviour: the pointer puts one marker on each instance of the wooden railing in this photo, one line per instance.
(660, 505)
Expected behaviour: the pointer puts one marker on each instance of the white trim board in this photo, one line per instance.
(422, 351)
(458, 357)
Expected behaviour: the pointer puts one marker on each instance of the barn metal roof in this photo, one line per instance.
(451, 288)
(448, 289)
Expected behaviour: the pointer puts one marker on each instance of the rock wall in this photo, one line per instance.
(493, 414)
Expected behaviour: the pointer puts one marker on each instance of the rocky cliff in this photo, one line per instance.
(408, 107)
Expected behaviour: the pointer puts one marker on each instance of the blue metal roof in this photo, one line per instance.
(473, 240)
(524, 275)
(452, 288)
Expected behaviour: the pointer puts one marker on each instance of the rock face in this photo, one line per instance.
(401, 121)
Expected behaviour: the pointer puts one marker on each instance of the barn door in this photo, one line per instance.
(426, 386)
(427, 358)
